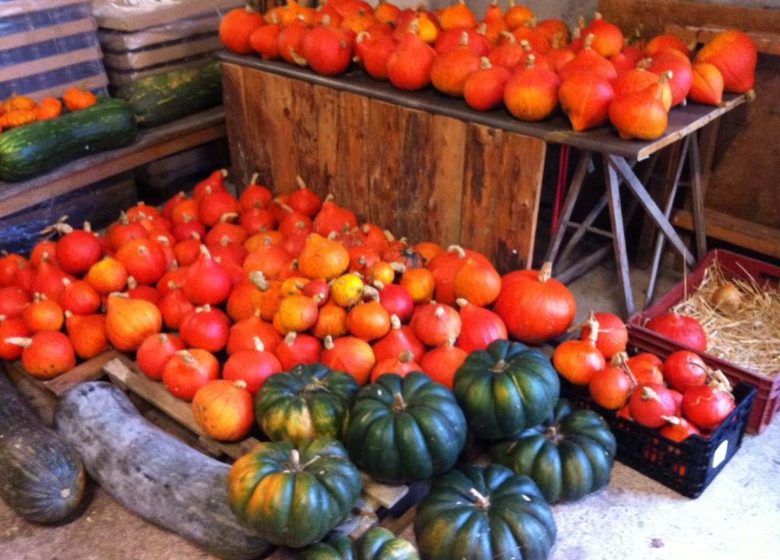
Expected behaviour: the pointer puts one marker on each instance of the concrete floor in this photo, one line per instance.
(635, 518)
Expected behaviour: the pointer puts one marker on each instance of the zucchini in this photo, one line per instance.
(151, 473)
(172, 95)
(41, 146)
(41, 478)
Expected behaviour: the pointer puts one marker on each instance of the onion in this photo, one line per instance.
(727, 298)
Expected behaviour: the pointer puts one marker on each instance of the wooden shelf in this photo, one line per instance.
(151, 144)
(737, 231)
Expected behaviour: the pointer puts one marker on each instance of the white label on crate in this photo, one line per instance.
(720, 454)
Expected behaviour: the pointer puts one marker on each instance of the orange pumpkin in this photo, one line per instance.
(237, 27)
(46, 354)
(43, 315)
(322, 258)
(78, 99)
(297, 313)
(49, 108)
(331, 321)
(351, 355)
(130, 321)
(420, 284)
(87, 333)
(17, 117)
(369, 320)
(224, 409)
(18, 103)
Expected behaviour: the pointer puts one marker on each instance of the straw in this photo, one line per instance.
(750, 335)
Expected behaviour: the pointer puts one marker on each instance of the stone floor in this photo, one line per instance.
(635, 518)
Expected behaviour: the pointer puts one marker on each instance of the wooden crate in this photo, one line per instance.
(421, 175)
(379, 503)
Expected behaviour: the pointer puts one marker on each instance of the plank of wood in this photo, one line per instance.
(233, 96)
(738, 231)
(150, 145)
(502, 186)
(766, 42)
(89, 370)
(40, 399)
(350, 182)
(654, 15)
(125, 373)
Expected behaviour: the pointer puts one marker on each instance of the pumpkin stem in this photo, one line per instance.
(482, 501)
(22, 341)
(461, 252)
(405, 356)
(500, 366)
(395, 322)
(228, 217)
(299, 181)
(589, 40)
(649, 394)
(259, 280)
(369, 292)
(719, 381)
(295, 460)
(253, 180)
(289, 338)
(398, 267)
(239, 384)
(593, 325)
(258, 344)
(461, 302)
(526, 46)
(186, 356)
(398, 402)
(673, 420)
(484, 63)
(530, 61)
(327, 342)
(545, 273)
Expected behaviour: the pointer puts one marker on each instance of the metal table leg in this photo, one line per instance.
(568, 205)
(697, 197)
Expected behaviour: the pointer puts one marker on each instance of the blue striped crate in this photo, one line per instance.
(46, 47)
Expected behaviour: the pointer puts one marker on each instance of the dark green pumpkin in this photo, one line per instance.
(484, 513)
(405, 429)
(293, 496)
(569, 456)
(505, 389)
(41, 478)
(375, 544)
(308, 402)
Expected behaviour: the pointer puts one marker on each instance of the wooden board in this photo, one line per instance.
(422, 175)
(654, 15)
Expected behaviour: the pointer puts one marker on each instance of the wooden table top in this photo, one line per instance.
(682, 120)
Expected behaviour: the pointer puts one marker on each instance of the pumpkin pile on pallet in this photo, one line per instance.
(346, 349)
(508, 59)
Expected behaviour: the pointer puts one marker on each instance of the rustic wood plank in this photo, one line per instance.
(351, 184)
(502, 184)
(150, 145)
(40, 399)
(233, 94)
(125, 373)
(656, 14)
(738, 231)
(382, 151)
(328, 135)
(442, 211)
(89, 370)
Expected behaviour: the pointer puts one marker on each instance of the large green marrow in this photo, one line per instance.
(42, 146)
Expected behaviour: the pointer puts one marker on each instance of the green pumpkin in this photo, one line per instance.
(505, 389)
(308, 402)
(569, 456)
(292, 496)
(376, 544)
(484, 513)
(405, 429)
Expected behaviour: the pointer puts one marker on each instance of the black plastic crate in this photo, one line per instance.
(687, 467)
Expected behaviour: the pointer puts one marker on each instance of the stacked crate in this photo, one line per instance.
(46, 47)
(142, 38)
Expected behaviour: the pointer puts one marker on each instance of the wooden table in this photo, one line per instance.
(434, 167)
(151, 144)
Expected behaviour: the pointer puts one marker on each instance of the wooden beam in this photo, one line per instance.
(737, 231)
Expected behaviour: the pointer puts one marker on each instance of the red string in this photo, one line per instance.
(560, 187)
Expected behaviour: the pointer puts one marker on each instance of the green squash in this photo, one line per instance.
(293, 496)
(484, 513)
(375, 544)
(41, 477)
(308, 402)
(405, 429)
(569, 456)
(505, 389)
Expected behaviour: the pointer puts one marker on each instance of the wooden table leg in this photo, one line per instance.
(659, 238)
(568, 206)
(618, 232)
(621, 166)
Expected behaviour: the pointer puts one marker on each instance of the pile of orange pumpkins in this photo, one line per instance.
(532, 68)
(226, 290)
